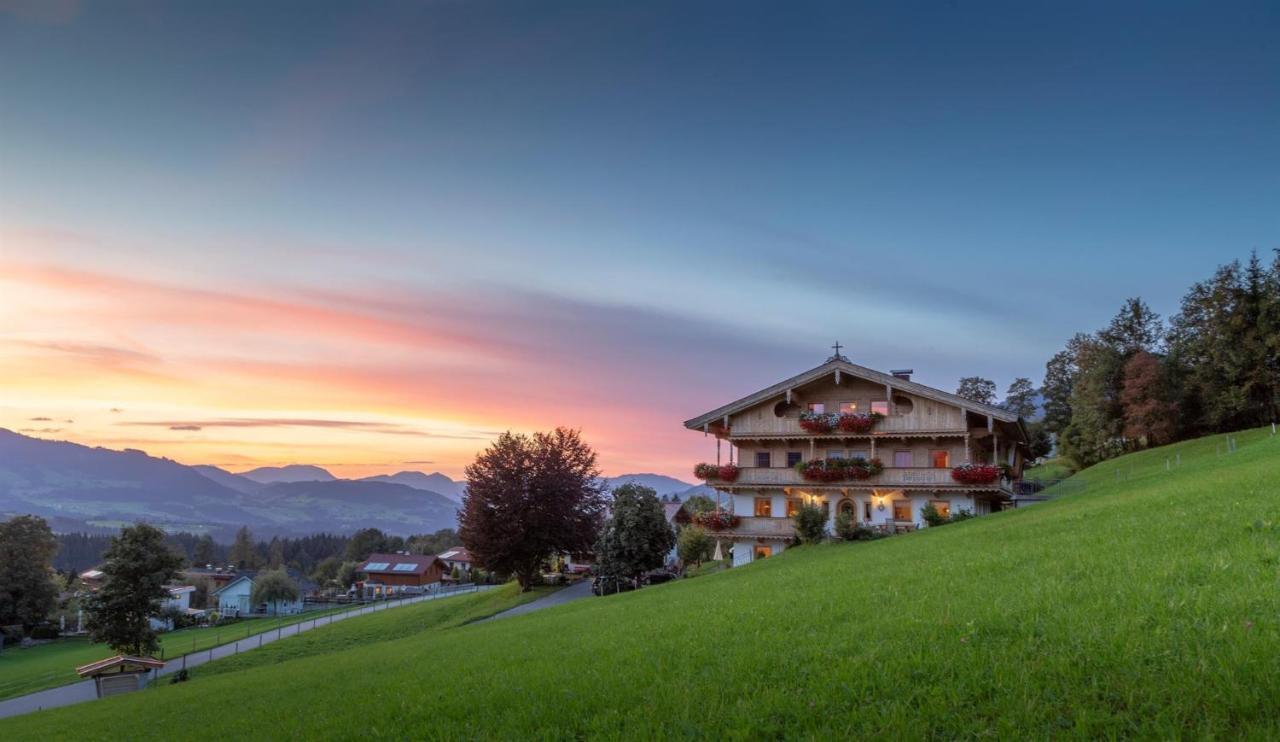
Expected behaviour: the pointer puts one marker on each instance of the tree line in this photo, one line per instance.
(1142, 381)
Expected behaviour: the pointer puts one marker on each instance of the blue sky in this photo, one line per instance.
(720, 190)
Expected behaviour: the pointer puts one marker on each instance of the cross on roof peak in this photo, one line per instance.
(837, 356)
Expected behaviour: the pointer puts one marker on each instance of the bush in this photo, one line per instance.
(811, 524)
(932, 516)
(695, 545)
(45, 631)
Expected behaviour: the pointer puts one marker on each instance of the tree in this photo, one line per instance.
(205, 551)
(528, 498)
(326, 572)
(637, 537)
(694, 545)
(977, 389)
(138, 566)
(811, 524)
(1020, 399)
(27, 589)
(1040, 443)
(348, 574)
(434, 543)
(365, 542)
(1135, 328)
(1096, 429)
(699, 504)
(1149, 414)
(244, 554)
(273, 587)
(1059, 380)
(275, 553)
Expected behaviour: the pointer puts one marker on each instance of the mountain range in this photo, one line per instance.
(95, 489)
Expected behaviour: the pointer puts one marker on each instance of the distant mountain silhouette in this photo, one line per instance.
(290, 473)
(78, 487)
(659, 483)
(225, 478)
(433, 482)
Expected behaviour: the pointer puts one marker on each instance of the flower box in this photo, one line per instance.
(975, 474)
(707, 472)
(716, 520)
(839, 470)
(858, 423)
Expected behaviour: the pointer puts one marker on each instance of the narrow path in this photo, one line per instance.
(65, 695)
(573, 592)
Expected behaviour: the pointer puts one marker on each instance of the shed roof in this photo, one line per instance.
(122, 662)
(457, 554)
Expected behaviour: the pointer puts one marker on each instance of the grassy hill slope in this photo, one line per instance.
(1146, 605)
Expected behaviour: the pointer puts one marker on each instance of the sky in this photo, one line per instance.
(372, 236)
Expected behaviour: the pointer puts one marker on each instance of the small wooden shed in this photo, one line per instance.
(119, 674)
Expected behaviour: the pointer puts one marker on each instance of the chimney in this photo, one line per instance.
(903, 373)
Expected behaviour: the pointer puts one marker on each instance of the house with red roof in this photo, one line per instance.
(394, 574)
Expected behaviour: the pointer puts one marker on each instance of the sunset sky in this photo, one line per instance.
(370, 236)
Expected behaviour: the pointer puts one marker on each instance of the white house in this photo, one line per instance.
(848, 439)
(179, 600)
(236, 599)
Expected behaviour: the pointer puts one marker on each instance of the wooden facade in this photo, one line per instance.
(924, 434)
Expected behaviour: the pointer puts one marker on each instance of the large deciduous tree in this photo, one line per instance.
(637, 537)
(273, 587)
(27, 590)
(137, 567)
(977, 389)
(1149, 414)
(529, 498)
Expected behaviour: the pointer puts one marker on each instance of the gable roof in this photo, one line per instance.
(237, 580)
(457, 554)
(399, 564)
(124, 662)
(843, 365)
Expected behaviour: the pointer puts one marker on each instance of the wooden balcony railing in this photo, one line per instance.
(750, 476)
(771, 426)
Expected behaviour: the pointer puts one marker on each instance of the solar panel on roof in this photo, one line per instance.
(375, 566)
(404, 567)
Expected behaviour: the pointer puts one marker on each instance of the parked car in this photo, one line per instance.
(658, 576)
(611, 585)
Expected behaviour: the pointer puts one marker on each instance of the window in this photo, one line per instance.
(866, 511)
(902, 510)
(943, 507)
(881, 406)
(764, 508)
(762, 459)
(817, 407)
(902, 406)
(376, 566)
(404, 567)
(903, 459)
(859, 453)
(793, 506)
(762, 552)
(940, 459)
(835, 453)
(793, 458)
(848, 408)
(846, 507)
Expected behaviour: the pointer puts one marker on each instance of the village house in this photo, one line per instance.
(235, 598)
(458, 557)
(179, 601)
(394, 574)
(850, 439)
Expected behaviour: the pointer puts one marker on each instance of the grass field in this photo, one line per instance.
(1146, 606)
(50, 665)
(1049, 470)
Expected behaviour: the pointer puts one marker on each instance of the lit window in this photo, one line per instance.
(764, 508)
(763, 552)
(943, 507)
(940, 459)
(881, 406)
(793, 506)
(817, 407)
(848, 408)
(902, 510)
(793, 458)
(762, 459)
(902, 459)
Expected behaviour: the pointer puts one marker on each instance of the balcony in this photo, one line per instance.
(763, 528)
(753, 476)
(769, 426)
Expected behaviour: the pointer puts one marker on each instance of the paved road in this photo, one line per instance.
(581, 589)
(65, 695)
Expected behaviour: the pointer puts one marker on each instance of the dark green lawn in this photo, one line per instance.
(1145, 606)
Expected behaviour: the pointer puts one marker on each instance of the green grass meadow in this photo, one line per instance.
(1145, 605)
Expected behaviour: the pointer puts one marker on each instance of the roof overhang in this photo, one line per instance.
(832, 367)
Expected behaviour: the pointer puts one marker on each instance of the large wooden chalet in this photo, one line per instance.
(849, 439)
